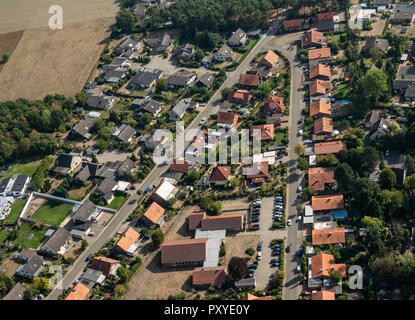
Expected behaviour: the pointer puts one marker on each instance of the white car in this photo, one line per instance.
(289, 222)
(298, 268)
(300, 132)
(259, 256)
(203, 121)
(91, 234)
(299, 189)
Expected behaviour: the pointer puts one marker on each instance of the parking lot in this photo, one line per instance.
(266, 234)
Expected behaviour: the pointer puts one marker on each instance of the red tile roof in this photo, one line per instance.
(179, 166)
(226, 221)
(318, 177)
(320, 107)
(220, 174)
(323, 295)
(328, 236)
(270, 59)
(267, 132)
(323, 125)
(249, 80)
(273, 104)
(320, 70)
(104, 265)
(239, 96)
(195, 219)
(321, 53)
(293, 23)
(324, 16)
(184, 251)
(79, 292)
(328, 147)
(212, 276)
(322, 264)
(332, 202)
(318, 86)
(128, 238)
(227, 117)
(154, 212)
(258, 170)
(312, 37)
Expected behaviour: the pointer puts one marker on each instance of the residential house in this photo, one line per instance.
(195, 220)
(231, 222)
(67, 163)
(58, 244)
(88, 171)
(318, 55)
(273, 105)
(405, 78)
(262, 71)
(105, 190)
(238, 38)
(181, 79)
(319, 87)
(209, 277)
(184, 53)
(381, 128)
(123, 134)
(323, 294)
(16, 293)
(107, 266)
(160, 45)
(126, 166)
(164, 192)
(240, 97)
(292, 25)
(248, 80)
(401, 17)
(328, 236)
(179, 166)
(152, 107)
(20, 184)
(365, 15)
(258, 172)
(227, 119)
(153, 144)
(327, 203)
(127, 44)
(24, 255)
(6, 187)
(312, 39)
(320, 108)
(145, 78)
(86, 212)
(181, 107)
(325, 22)
(31, 268)
(139, 11)
(321, 179)
(92, 277)
(184, 252)
(224, 54)
(323, 125)
(410, 94)
(381, 44)
(117, 62)
(269, 60)
(114, 75)
(322, 265)
(98, 100)
(320, 71)
(207, 80)
(128, 243)
(263, 132)
(371, 119)
(219, 175)
(154, 215)
(83, 127)
(79, 292)
(329, 147)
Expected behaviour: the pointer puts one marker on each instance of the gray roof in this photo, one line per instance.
(402, 15)
(185, 52)
(113, 73)
(152, 107)
(381, 2)
(382, 44)
(181, 106)
(180, 78)
(106, 186)
(146, 77)
(127, 166)
(124, 132)
(410, 92)
(371, 119)
(138, 10)
(16, 293)
(4, 184)
(89, 170)
(405, 77)
(237, 36)
(84, 212)
(33, 266)
(92, 275)
(19, 182)
(125, 45)
(226, 51)
(108, 169)
(83, 126)
(160, 44)
(325, 25)
(207, 79)
(57, 240)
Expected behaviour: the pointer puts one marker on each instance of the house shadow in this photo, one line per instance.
(187, 285)
(184, 230)
(155, 266)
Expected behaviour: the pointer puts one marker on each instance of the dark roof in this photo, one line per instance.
(325, 25)
(88, 170)
(382, 44)
(126, 166)
(152, 107)
(125, 132)
(237, 36)
(84, 212)
(4, 184)
(106, 186)
(83, 126)
(32, 266)
(108, 169)
(400, 175)
(180, 78)
(57, 240)
(17, 293)
(410, 92)
(402, 15)
(185, 53)
(146, 77)
(19, 182)
(207, 79)
(64, 160)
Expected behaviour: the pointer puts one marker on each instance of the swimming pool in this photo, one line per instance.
(94, 114)
(345, 101)
(339, 214)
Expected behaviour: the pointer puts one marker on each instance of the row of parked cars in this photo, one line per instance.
(256, 211)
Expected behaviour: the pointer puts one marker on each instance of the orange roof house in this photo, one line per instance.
(269, 60)
(322, 53)
(209, 276)
(179, 166)
(267, 132)
(273, 105)
(324, 203)
(220, 174)
(106, 265)
(248, 80)
(312, 39)
(79, 292)
(319, 87)
(228, 119)
(154, 214)
(249, 296)
(328, 147)
(320, 108)
(322, 264)
(195, 219)
(223, 222)
(323, 125)
(239, 96)
(320, 71)
(184, 252)
(292, 24)
(323, 295)
(328, 236)
(258, 171)
(319, 177)
(125, 244)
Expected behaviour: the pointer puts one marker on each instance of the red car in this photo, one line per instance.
(306, 293)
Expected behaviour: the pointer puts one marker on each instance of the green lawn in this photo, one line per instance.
(116, 202)
(341, 92)
(28, 168)
(3, 235)
(23, 239)
(279, 136)
(52, 212)
(14, 214)
(248, 47)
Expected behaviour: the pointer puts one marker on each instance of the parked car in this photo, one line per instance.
(298, 269)
(253, 266)
(91, 234)
(275, 253)
(275, 264)
(250, 275)
(298, 253)
(272, 275)
(259, 256)
(306, 293)
(289, 222)
(89, 257)
(287, 249)
(300, 132)
(275, 260)
(299, 189)
(254, 227)
(203, 121)
(259, 248)
(132, 188)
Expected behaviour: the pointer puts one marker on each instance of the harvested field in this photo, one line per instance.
(53, 61)
(8, 42)
(25, 14)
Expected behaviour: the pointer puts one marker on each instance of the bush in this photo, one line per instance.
(211, 289)
(250, 251)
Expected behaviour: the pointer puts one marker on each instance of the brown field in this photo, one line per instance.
(8, 42)
(25, 14)
(53, 61)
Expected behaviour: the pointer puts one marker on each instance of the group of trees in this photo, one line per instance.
(211, 207)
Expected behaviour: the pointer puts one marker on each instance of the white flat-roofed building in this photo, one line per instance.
(164, 192)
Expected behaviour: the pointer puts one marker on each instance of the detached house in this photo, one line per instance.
(154, 215)
(329, 147)
(145, 79)
(20, 184)
(320, 179)
(164, 192)
(223, 54)
(67, 163)
(327, 203)
(320, 71)
(181, 107)
(273, 105)
(123, 134)
(319, 87)
(258, 172)
(381, 128)
(86, 212)
(322, 265)
(325, 22)
(328, 236)
(105, 189)
(207, 80)
(184, 53)
(320, 108)
(126, 45)
(58, 244)
(317, 55)
(263, 132)
(128, 243)
(248, 80)
(269, 60)
(160, 45)
(238, 38)
(240, 97)
(227, 119)
(312, 39)
(106, 265)
(181, 79)
(219, 175)
(184, 252)
(209, 276)
(83, 127)
(292, 25)
(31, 268)
(323, 125)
